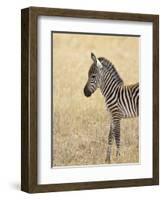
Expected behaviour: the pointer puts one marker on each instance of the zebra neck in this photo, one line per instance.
(110, 86)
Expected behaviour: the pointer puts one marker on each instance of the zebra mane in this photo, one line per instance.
(110, 67)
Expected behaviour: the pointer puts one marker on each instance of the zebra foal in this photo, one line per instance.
(122, 101)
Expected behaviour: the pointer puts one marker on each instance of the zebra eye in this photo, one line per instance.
(93, 76)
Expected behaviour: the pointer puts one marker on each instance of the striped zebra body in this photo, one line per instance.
(122, 101)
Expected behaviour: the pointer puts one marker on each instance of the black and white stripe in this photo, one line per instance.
(121, 100)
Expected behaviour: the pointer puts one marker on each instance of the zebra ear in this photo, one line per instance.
(96, 61)
(99, 65)
(93, 57)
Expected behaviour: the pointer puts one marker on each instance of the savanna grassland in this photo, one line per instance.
(80, 124)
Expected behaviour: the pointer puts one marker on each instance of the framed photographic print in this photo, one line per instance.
(90, 99)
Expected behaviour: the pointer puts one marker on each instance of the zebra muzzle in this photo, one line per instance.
(87, 93)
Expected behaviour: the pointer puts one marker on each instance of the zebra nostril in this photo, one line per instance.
(87, 93)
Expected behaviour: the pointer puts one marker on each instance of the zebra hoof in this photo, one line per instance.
(107, 160)
(117, 154)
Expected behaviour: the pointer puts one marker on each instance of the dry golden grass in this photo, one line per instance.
(81, 125)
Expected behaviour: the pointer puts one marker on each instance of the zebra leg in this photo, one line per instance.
(116, 131)
(110, 142)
